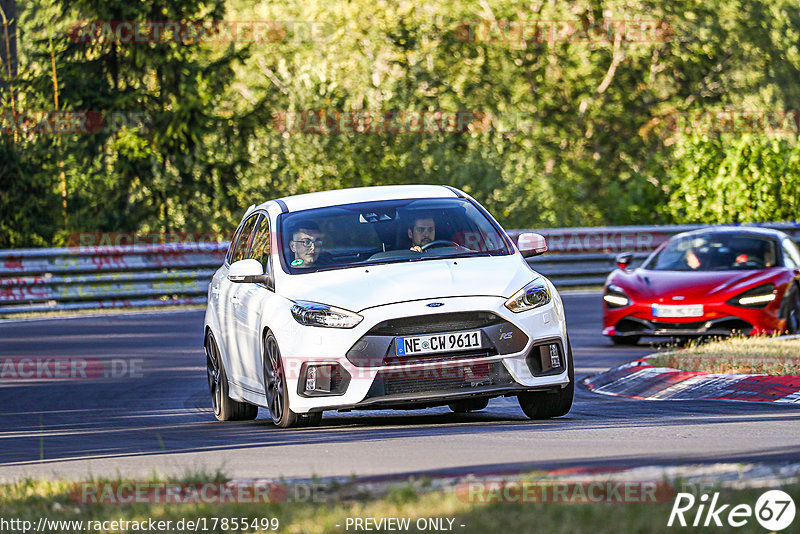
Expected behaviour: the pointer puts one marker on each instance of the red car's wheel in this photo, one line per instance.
(793, 314)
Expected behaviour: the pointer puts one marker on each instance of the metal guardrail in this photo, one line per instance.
(34, 280)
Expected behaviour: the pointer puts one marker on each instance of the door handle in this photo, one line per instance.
(215, 290)
(236, 300)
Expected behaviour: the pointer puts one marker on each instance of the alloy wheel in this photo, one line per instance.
(213, 374)
(273, 374)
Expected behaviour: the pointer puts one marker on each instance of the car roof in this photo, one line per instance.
(353, 195)
(751, 230)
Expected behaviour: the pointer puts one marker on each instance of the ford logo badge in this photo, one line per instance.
(435, 304)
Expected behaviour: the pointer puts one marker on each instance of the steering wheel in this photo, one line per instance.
(439, 243)
(751, 262)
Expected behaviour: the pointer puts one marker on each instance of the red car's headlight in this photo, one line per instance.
(758, 297)
(615, 297)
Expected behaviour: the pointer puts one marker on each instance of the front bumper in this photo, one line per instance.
(376, 377)
(719, 319)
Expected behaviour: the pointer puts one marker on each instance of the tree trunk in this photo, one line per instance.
(8, 42)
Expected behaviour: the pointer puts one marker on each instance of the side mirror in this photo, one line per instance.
(623, 260)
(247, 272)
(531, 244)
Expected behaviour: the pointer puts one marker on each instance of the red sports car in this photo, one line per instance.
(709, 282)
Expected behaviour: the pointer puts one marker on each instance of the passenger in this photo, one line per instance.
(307, 246)
(695, 259)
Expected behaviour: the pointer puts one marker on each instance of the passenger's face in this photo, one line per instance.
(423, 232)
(305, 245)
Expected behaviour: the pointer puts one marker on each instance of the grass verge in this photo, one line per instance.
(30, 500)
(747, 355)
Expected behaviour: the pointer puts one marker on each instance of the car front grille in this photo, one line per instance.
(438, 357)
(432, 324)
(440, 379)
(721, 326)
(698, 325)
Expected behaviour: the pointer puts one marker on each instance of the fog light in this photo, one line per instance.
(555, 360)
(311, 379)
(321, 379)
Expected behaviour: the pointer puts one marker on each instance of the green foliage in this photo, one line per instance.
(746, 179)
(578, 130)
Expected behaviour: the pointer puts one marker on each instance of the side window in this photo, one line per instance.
(260, 249)
(790, 255)
(239, 250)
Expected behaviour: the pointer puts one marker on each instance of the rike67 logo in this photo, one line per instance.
(774, 510)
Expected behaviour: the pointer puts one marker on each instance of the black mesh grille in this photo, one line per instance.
(431, 324)
(449, 356)
(626, 325)
(730, 325)
(733, 325)
(679, 326)
(440, 379)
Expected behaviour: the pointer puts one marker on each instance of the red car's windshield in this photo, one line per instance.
(715, 252)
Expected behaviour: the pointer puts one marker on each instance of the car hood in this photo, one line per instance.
(357, 288)
(648, 284)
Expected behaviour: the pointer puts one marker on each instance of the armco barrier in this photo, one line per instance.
(73, 278)
(33, 280)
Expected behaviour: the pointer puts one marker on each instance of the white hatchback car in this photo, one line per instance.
(405, 296)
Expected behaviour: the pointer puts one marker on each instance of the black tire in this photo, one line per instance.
(793, 314)
(469, 405)
(310, 419)
(545, 404)
(225, 408)
(275, 387)
(625, 340)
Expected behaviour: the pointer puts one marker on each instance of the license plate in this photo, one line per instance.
(665, 310)
(438, 343)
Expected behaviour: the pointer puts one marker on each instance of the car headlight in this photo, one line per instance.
(615, 297)
(531, 296)
(316, 314)
(758, 297)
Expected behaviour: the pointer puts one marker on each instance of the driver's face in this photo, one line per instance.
(423, 232)
(306, 246)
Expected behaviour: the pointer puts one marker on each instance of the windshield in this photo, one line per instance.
(386, 232)
(714, 252)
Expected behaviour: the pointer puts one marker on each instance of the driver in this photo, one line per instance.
(421, 231)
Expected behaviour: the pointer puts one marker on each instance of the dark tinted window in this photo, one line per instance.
(715, 252)
(239, 250)
(387, 232)
(261, 243)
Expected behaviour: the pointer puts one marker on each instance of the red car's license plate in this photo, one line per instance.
(666, 310)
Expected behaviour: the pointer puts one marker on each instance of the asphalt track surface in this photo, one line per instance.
(161, 422)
